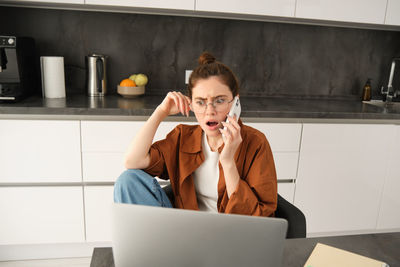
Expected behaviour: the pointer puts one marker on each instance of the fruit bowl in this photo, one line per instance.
(130, 91)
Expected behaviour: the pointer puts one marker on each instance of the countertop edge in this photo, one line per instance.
(192, 119)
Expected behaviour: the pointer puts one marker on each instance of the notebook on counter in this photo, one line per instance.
(327, 256)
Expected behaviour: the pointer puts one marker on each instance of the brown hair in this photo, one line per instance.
(208, 67)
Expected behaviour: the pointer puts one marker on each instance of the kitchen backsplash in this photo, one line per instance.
(270, 59)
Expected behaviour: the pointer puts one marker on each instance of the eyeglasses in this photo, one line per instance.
(219, 104)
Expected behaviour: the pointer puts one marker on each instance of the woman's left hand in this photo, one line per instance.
(232, 140)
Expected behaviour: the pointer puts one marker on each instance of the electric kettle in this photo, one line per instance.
(96, 75)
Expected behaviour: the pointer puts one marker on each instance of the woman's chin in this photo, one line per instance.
(213, 133)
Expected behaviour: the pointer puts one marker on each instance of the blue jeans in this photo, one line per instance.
(138, 187)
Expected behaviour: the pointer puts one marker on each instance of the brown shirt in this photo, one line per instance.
(180, 154)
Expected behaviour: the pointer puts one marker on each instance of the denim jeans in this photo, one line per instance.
(138, 187)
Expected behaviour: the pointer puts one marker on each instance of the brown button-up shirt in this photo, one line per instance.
(181, 153)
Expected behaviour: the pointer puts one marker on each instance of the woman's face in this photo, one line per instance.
(208, 91)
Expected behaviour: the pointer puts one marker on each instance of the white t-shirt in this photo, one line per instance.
(206, 179)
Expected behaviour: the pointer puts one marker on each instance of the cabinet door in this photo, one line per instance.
(98, 200)
(167, 4)
(286, 190)
(104, 144)
(372, 11)
(392, 12)
(40, 151)
(341, 175)
(36, 215)
(389, 215)
(284, 8)
(284, 139)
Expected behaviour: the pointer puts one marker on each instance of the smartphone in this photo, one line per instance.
(235, 109)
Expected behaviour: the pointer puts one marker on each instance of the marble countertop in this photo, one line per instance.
(114, 107)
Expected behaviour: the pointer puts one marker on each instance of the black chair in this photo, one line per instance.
(286, 210)
(294, 216)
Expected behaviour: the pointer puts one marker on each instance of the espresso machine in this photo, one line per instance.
(18, 68)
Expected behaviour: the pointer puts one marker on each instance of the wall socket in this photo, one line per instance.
(187, 75)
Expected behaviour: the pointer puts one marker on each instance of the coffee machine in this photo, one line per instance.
(18, 68)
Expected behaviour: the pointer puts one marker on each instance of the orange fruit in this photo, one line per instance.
(127, 82)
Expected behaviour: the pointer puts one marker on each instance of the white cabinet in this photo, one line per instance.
(164, 4)
(372, 11)
(389, 215)
(39, 151)
(392, 12)
(41, 215)
(284, 139)
(283, 8)
(341, 175)
(286, 190)
(104, 144)
(98, 200)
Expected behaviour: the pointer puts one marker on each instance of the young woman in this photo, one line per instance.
(234, 174)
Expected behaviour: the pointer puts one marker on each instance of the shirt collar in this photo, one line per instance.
(191, 140)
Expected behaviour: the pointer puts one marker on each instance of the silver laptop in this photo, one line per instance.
(161, 237)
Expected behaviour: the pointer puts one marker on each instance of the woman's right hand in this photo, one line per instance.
(174, 103)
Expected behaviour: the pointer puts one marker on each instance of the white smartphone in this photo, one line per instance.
(235, 110)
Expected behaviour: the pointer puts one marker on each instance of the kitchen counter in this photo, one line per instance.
(114, 107)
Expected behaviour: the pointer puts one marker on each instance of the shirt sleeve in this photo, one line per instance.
(256, 194)
(159, 152)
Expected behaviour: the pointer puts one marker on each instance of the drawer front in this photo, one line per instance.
(102, 166)
(282, 137)
(115, 136)
(39, 151)
(286, 165)
(109, 136)
(286, 190)
(37, 215)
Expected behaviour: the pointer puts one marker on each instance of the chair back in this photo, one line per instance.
(294, 216)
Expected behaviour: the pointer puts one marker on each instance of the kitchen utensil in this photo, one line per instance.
(96, 76)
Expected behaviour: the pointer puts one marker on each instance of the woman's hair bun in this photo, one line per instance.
(206, 58)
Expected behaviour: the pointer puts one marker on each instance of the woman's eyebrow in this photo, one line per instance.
(218, 96)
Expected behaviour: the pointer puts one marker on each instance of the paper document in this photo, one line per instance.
(327, 256)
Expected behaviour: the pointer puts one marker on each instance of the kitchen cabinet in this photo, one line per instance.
(104, 144)
(34, 151)
(392, 12)
(389, 215)
(341, 175)
(359, 11)
(284, 8)
(163, 4)
(41, 215)
(284, 139)
(98, 201)
(286, 190)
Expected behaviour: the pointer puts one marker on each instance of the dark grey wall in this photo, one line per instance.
(270, 59)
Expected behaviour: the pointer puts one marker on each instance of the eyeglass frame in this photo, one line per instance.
(212, 104)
